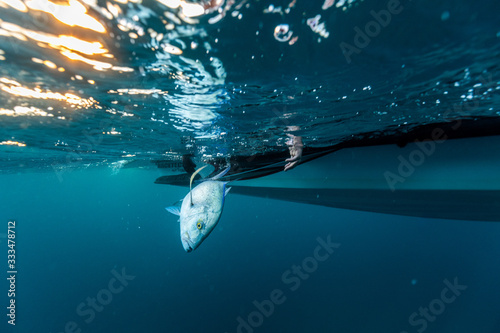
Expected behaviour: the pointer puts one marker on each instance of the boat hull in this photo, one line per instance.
(451, 179)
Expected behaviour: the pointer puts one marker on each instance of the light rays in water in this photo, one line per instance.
(15, 88)
(73, 13)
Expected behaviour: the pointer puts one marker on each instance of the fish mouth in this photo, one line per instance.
(187, 244)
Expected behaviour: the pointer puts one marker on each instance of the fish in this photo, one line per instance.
(201, 209)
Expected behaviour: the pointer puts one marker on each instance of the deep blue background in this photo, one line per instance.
(71, 234)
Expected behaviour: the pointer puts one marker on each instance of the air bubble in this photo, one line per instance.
(445, 15)
(282, 33)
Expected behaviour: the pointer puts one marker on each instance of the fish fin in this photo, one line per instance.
(191, 181)
(174, 210)
(222, 174)
(227, 191)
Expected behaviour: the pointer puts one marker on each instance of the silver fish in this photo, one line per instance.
(201, 210)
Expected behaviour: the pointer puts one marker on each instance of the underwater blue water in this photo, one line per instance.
(88, 87)
(72, 234)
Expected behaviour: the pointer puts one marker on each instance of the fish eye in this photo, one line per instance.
(199, 225)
